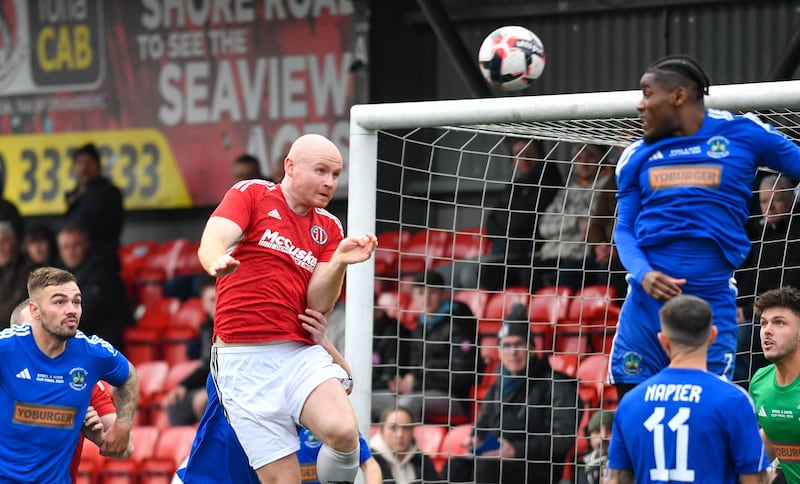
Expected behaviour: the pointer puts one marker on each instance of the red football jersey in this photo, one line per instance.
(102, 402)
(278, 252)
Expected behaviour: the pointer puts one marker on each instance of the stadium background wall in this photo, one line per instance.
(592, 45)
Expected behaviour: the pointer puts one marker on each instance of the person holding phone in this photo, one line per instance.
(527, 418)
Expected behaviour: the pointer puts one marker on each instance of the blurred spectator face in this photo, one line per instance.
(426, 298)
(209, 297)
(527, 156)
(245, 171)
(776, 203)
(514, 354)
(398, 431)
(587, 161)
(85, 168)
(8, 245)
(72, 247)
(38, 250)
(600, 438)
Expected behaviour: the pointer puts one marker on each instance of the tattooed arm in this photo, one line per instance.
(620, 476)
(126, 396)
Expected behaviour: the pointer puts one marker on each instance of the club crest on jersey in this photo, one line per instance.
(632, 363)
(77, 379)
(319, 235)
(718, 147)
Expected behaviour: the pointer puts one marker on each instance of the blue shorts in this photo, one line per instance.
(636, 354)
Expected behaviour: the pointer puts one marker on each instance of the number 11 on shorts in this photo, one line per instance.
(678, 425)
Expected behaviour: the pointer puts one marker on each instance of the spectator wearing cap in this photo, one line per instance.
(439, 364)
(530, 410)
(95, 204)
(594, 462)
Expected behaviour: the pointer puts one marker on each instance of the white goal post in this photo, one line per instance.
(605, 118)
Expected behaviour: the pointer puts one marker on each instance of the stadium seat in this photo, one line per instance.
(397, 305)
(592, 387)
(125, 471)
(429, 438)
(453, 443)
(173, 344)
(152, 376)
(387, 255)
(172, 448)
(90, 464)
(564, 363)
(187, 261)
(470, 244)
(190, 314)
(548, 306)
(593, 308)
(425, 250)
(142, 340)
(499, 306)
(133, 257)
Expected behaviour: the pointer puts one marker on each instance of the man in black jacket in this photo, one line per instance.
(95, 204)
(530, 411)
(439, 364)
(106, 309)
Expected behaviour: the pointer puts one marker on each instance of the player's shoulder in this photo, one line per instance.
(93, 345)
(628, 154)
(329, 219)
(254, 186)
(763, 375)
(747, 121)
(9, 336)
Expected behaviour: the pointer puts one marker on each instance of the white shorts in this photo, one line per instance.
(263, 389)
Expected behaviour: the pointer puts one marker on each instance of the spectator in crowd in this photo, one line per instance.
(773, 262)
(9, 212)
(774, 388)
(247, 167)
(600, 236)
(187, 400)
(40, 245)
(512, 222)
(387, 334)
(106, 309)
(95, 204)
(528, 417)
(14, 270)
(594, 463)
(439, 364)
(396, 451)
(562, 226)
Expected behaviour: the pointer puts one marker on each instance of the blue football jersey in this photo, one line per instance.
(695, 187)
(685, 425)
(43, 401)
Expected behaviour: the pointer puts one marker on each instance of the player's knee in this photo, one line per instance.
(343, 436)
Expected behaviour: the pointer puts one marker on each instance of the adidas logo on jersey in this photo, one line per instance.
(761, 412)
(24, 374)
(274, 214)
(657, 156)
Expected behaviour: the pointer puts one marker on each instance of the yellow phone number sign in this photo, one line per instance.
(38, 169)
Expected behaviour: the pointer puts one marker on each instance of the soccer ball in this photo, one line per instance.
(511, 58)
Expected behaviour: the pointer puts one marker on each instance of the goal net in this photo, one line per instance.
(510, 201)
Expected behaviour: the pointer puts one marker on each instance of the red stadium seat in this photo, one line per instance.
(426, 249)
(126, 471)
(142, 341)
(174, 342)
(387, 255)
(594, 309)
(453, 443)
(90, 464)
(188, 262)
(470, 244)
(592, 387)
(152, 377)
(172, 448)
(190, 314)
(499, 307)
(564, 363)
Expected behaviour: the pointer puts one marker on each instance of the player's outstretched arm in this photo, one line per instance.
(126, 396)
(760, 478)
(767, 445)
(620, 476)
(218, 237)
(326, 282)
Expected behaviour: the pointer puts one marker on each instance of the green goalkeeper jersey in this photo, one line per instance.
(778, 410)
